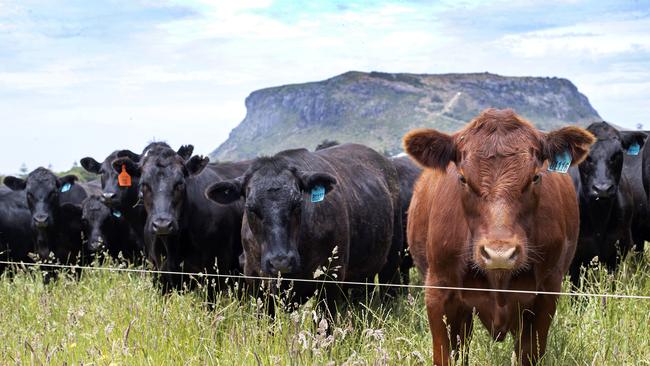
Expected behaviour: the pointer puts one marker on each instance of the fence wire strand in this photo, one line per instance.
(323, 281)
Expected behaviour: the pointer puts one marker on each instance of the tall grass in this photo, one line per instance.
(111, 318)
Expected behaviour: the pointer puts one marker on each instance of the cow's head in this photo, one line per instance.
(42, 189)
(274, 192)
(163, 175)
(601, 171)
(114, 194)
(98, 221)
(498, 167)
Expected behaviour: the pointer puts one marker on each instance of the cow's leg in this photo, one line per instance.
(407, 264)
(464, 338)
(626, 243)
(574, 274)
(610, 256)
(530, 344)
(445, 320)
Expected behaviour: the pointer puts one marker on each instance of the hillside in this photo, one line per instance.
(377, 109)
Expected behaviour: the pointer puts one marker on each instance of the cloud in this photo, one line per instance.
(593, 39)
(84, 78)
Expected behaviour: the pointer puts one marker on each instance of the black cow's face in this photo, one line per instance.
(601, 171)
(163, 178)
(97, 221)
(114, 195)
(274, 194)
(273, 209)
(42, 189)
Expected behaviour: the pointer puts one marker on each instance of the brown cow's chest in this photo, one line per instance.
(499, 312)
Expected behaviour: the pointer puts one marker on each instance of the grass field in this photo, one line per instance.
(109, 318)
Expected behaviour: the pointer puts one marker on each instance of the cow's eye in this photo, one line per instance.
(462, 179)
(30, 196)
(537, 178)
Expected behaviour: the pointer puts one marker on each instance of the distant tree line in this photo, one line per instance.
(77, 170)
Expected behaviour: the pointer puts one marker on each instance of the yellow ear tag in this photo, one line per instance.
(124, 179)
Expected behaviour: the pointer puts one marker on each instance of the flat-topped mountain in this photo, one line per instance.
(377, 109)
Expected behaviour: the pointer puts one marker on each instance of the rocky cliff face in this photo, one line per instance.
(377, 109)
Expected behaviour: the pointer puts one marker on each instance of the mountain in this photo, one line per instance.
(377, 109)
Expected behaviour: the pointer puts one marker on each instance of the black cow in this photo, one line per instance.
(184, 231)
(408, 172)
(633, 170)
(106, 230)
(56, 228)
(606, 200)
(15, 227)
(124, 200)
(335, 210)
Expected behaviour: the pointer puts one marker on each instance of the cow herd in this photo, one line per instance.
(497, 205)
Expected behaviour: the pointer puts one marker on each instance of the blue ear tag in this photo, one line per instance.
(634, 149)
(117, 213)
(317, 194)
(66, 187)
(561, 163)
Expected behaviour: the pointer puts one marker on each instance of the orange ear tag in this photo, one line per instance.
(124, 179)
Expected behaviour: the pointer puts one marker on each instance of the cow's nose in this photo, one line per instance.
(603, 190)
(162, 226)
(107, 197)
(501, 258)
(41, 220)
(282, 263)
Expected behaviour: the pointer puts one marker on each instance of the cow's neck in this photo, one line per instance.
(136, 217)
(599, 213)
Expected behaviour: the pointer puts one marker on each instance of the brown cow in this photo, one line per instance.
(495, 218)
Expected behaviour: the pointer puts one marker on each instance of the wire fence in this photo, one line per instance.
(323, 281)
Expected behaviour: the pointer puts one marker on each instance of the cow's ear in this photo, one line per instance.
(575, 141)
(630, 138)
(91, 165)
(196, 164)
(185, 151)
(129, 154)
(15, 184)
(225, 192)
(430, 148)
(66, 180)
(311, 180)
(131, 167)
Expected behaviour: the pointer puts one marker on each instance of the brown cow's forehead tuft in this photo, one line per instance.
(499, 133)
(499, 152)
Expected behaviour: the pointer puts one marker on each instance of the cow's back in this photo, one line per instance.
(408, 172)
(370, 185)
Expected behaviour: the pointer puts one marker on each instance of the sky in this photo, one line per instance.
(83, 78)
